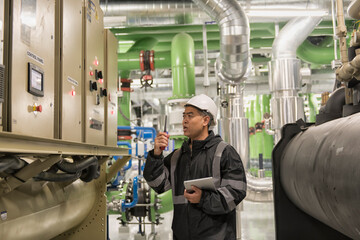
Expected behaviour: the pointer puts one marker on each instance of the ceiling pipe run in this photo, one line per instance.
(132, 13)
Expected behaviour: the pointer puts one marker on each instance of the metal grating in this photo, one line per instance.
(2, 82)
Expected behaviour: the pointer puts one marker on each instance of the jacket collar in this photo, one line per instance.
(202, 144)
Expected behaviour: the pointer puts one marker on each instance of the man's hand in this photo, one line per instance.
(195, 196)
(161, 140)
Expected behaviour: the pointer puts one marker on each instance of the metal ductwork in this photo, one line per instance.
(233, 61)
(284, 72)
(135, 13)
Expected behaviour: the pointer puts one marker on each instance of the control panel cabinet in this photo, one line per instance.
(94, 81)
(32, 71)
(71, 70)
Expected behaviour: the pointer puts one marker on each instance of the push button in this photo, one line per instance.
(36, 108)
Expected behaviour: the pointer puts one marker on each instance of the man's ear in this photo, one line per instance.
(206, 120)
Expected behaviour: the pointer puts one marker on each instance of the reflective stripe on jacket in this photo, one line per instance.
(214, 217)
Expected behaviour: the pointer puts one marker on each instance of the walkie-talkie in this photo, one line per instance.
(163, 148)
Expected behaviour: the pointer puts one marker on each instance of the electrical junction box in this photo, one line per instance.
(32, 68)
(94, 81)
(71, 69)
(111, 76)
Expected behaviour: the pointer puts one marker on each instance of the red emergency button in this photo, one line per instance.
(37, 108)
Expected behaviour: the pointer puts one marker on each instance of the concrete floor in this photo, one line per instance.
(257, 223)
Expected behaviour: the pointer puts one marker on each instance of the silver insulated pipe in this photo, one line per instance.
(284, 75)
(233, 61)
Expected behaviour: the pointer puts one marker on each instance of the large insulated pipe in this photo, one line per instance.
(24, 208)
(319, 171)
(183, 66)
(234, 125)
(233, 61)
(284, 75)
(183, 79)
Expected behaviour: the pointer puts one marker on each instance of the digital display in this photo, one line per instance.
(36, 80)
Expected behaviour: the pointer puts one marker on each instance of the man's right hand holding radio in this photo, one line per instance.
(161, 142)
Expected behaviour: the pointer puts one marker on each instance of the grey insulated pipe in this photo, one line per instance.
(233, 61)
(292, 35)
(284, 74)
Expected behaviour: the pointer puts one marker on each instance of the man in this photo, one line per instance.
(201, 214)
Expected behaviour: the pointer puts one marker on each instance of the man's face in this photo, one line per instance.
(193, 122)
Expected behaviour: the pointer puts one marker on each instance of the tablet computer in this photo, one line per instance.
(202, 183)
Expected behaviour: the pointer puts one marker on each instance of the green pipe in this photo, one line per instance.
(260, 59)
(112, 195)
(321, 54)
(124, 104)
(167, 37)
(130, 60)
(268, 139)
(146, 43)
(183, 66)
(215, 44)
(261, 42)
(270, 27)
(258, 30)
(166, 202)
(260, 34)
(307, 52)
(327, 42)
(312, 107)
(178, 140)
(166, 46)
(311, 53)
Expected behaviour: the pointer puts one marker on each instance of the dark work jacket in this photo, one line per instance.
(214, 217)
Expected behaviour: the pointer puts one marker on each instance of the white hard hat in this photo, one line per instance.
(204, 102)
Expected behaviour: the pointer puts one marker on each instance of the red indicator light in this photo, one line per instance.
(73, 93)
(112, 112)
(96, 62)
(91, 73)
(101, 80)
